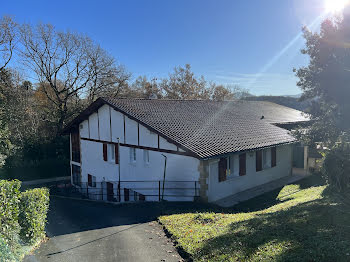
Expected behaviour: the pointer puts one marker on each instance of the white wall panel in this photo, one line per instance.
(117, 126)
(148, 138)
(93, 124)
(103, 114)
(130, 131)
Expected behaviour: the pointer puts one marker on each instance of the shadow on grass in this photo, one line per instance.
(313, 231)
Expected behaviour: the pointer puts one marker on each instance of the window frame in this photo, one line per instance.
(132, 155)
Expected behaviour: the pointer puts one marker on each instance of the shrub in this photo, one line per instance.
(9, 199)
(33, 207)
(336, 167)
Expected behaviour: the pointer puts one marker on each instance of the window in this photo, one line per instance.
(146, 156)
(111, 153)
(76, 175)
(242, 164)
(75, 146)
(266, 158)
(231, 171)
(132, 155)
(91, 180)
(222, 169)
(273, 157)
(258, 160)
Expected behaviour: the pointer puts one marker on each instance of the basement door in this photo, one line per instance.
(110, 191)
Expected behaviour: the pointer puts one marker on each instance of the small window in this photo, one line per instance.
(91, 181)
(111, 153)
(146, 156)
(132, 155)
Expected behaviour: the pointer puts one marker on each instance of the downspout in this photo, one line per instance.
(165, 159)
(118, 145)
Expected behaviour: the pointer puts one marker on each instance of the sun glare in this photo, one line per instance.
(335, 6)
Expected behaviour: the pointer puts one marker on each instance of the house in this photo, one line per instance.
(121, 149)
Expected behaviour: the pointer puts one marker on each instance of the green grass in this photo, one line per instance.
(300, 222)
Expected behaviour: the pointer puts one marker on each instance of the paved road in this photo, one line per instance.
(89, 231)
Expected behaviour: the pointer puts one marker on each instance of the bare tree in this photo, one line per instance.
(108, 79)
(221, 93)
(68, 66)
(183, 84)
(7, 40)
(144, 88)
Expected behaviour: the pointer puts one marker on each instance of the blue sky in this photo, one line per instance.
(251, 43)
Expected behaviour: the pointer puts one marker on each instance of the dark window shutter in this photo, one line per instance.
(242, 164)
(89, 180)
(222, 169)
(105, 152)
(258, 160)
(126, 194)
(116, 148)
(273, 157)
(142, 197)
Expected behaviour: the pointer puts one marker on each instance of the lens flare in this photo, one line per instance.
(335, 6)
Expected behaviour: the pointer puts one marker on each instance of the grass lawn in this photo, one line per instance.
(300, 222)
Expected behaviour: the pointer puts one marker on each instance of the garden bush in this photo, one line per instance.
(33, 208)
(336, 167)
(9, 211)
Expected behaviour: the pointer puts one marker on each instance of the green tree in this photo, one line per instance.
(326, 80)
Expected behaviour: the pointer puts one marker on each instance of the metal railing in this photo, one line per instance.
(129, 191)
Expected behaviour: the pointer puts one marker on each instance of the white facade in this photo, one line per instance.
(235, 183)
(142, 160)
(106, 126)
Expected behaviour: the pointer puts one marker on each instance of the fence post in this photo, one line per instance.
(159, 190)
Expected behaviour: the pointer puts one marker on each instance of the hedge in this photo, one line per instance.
(22, 218)
(33, 207)
(9, 211)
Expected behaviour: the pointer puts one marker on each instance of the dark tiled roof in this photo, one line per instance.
(209, 128)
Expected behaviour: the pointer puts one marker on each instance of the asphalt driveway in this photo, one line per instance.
(89, 231)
